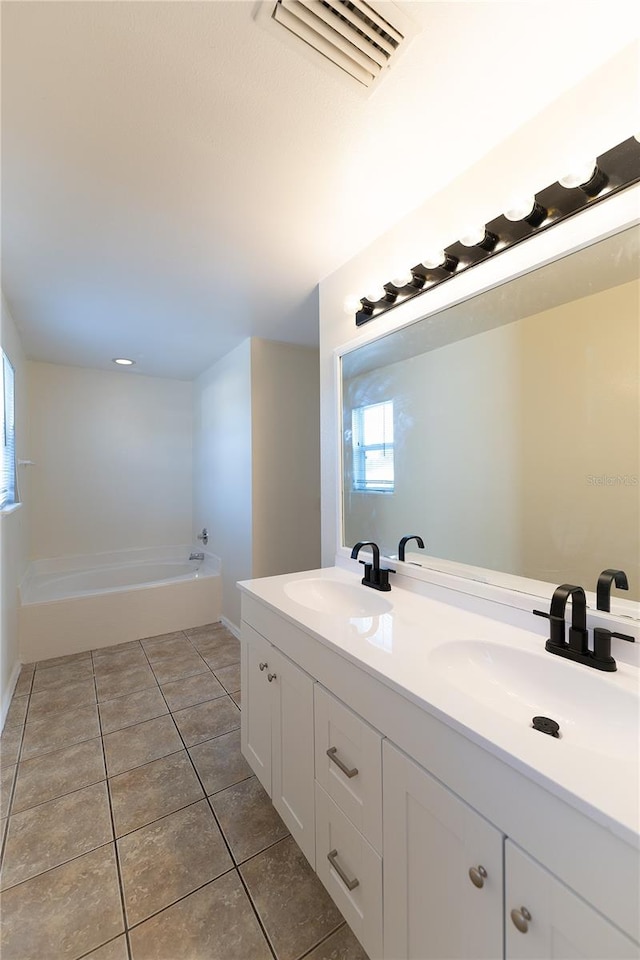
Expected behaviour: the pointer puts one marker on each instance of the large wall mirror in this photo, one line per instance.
(505, 430)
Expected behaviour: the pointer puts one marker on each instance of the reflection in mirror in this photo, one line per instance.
(506, 430)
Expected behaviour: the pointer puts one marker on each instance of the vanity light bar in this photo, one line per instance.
(612, 172)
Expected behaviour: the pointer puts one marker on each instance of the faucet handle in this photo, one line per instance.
(624, 636)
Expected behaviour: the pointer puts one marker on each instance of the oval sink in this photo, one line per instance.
(336, 598)
(592, 712)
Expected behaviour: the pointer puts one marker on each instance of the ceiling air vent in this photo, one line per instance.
(359, 37)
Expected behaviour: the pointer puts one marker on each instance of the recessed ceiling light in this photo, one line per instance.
(124, 362)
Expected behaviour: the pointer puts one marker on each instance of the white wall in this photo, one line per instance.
(286, 457)
(257, 463)
(112, 453)
(589, 119)
(222, 468)
(13, 525)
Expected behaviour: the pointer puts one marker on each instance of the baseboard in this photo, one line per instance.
(6, 699)
(230, 626)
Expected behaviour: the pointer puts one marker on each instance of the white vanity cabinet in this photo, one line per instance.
(543, 918)
(277, 734)
(443, 874)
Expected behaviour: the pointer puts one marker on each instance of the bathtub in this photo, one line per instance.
(70, 604)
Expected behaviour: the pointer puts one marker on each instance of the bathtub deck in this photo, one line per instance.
(131, 825)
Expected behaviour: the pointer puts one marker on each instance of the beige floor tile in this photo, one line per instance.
(54, 774)
(237, 699)
(219, 762)
(152, 791)
(54, 832)
(191, 690)
(222, 652)
(140, 743)
(7, 776)
(206, 720)
(42, 665)
(182, 665)
(17, 712)
(155, 645)
(248, 819)
(229, 677)
(206, 632)
(55, 678)
(121, 664)
(114, 950)
(129, 680)
(115, 649)
(214, 923)
(64, 913)
(294, 907)
(60, 730)
(131, 709)
(74, 694)
(10, 742)
(185, 849)
(25, 681)
(341, 945)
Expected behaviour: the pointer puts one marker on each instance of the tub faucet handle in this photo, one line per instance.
(204, 536)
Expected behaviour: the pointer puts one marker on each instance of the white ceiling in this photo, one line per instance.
(175, 179)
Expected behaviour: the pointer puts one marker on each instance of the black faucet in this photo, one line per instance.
(405, 541)
(373, 576)
(577, 647)
(603, 591)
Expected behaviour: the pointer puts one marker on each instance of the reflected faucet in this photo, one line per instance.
(405, 541)
(603, 591)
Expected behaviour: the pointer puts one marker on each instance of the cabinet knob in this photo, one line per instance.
(263, 666)
(271, 676)
(521, 919)
(478, 876)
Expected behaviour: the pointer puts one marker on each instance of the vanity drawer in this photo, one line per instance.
(345, 860)
(349, 764)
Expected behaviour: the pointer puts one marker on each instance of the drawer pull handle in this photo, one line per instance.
(271, 676)
(521, 919)
(331, 753)
(478, 876)
(332, 857)
(263, 666)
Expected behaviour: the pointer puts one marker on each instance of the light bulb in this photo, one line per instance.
(579, 175)
(402, 278)
(435, 259)
(473, 237)
(124, 362)
(352, 304)
(375, 294)
(520, 209)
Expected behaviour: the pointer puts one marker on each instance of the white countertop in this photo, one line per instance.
(459, 666)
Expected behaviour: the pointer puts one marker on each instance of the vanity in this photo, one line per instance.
(393, 732)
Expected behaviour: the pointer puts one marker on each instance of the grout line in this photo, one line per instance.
(113, 830)
(222, 834)
(323, 940)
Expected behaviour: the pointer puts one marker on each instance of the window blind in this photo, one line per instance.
(9, 490)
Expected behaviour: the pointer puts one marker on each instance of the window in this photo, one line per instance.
(372, 433)
(9, 490)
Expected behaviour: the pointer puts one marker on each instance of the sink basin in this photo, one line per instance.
(336, 598)
(593, 711)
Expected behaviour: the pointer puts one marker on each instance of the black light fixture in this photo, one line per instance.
(610, 173)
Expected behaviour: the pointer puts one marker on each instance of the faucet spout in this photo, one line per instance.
(375, 550)
(373, 576)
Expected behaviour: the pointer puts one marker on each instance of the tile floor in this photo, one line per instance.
(132, 827)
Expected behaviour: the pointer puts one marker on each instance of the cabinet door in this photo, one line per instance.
(292, 751)
(255, 717)
(431, 841)
(561, 924)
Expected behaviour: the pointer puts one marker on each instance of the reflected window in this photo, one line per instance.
(372, 433)
(9, 493)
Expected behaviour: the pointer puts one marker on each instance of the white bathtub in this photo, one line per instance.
(70, 604)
